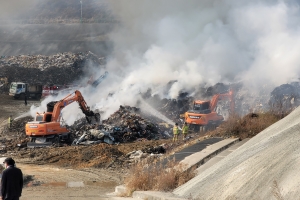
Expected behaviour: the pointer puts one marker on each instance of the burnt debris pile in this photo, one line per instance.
(285, 98)
(125, 125)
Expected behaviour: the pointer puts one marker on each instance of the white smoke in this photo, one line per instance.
(198, 42)
(204, 42)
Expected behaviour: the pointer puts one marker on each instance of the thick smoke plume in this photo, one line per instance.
(198, 42)
(203, 43)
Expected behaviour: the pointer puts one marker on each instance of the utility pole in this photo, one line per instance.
(81, 12)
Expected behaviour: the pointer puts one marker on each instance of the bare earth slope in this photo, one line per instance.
(266, 167)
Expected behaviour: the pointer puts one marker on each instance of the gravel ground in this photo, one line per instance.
(266, 167)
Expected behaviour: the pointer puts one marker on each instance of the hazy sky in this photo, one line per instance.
(11, 8)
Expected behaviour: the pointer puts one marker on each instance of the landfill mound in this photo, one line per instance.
(62, 68)
(266, 167)
(285, 97)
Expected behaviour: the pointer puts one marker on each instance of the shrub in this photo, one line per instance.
(147, 175)
(247, 126)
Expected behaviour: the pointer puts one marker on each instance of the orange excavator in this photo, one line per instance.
(206, 114)
(47, 128)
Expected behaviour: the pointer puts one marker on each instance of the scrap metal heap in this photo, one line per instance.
(125, 125)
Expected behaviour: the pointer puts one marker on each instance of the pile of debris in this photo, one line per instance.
(285, 98)
(125, 125)
(62, 68)
(42, 62)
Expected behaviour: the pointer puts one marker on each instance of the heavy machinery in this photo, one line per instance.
(207, 114)
(99, 79)
(19, 89)
(54, 89)
(47, 128)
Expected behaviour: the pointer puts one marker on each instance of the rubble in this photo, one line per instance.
(285, 97)
(125, 125)
(42, 62)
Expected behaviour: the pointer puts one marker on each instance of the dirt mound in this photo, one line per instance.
(98, 156)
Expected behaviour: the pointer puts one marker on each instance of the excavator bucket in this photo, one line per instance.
(93, 118)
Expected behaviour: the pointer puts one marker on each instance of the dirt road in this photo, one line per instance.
(66, 183)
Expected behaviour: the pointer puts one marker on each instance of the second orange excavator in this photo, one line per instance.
(47, 128)
(206, 114)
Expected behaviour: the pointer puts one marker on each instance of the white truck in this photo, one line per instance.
(19, 89)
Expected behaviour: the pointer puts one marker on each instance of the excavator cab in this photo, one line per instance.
(201, 107)
(211, 113)
(43, 117)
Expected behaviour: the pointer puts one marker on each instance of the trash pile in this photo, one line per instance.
(62, 68)
(125, 125)
(42, 62)
(148, 152)
(285, 98)
(170, 108)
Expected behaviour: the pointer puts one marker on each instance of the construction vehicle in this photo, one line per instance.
(19, 89)
(47, 128)
(99, 79)
(208, 114)
(54, 89)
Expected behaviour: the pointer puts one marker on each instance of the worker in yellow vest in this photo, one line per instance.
(175, 132)
(185, 130)
(10, 120)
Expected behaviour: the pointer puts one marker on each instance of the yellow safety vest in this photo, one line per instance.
(9, 122)
(175, 130)
(185, 129)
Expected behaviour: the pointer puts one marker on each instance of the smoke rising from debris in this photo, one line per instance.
(198, 43)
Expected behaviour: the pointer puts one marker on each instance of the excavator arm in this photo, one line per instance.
(216, 98)
(76, 96)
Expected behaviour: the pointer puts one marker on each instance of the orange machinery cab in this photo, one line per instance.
(43, 126)
(202, 115)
